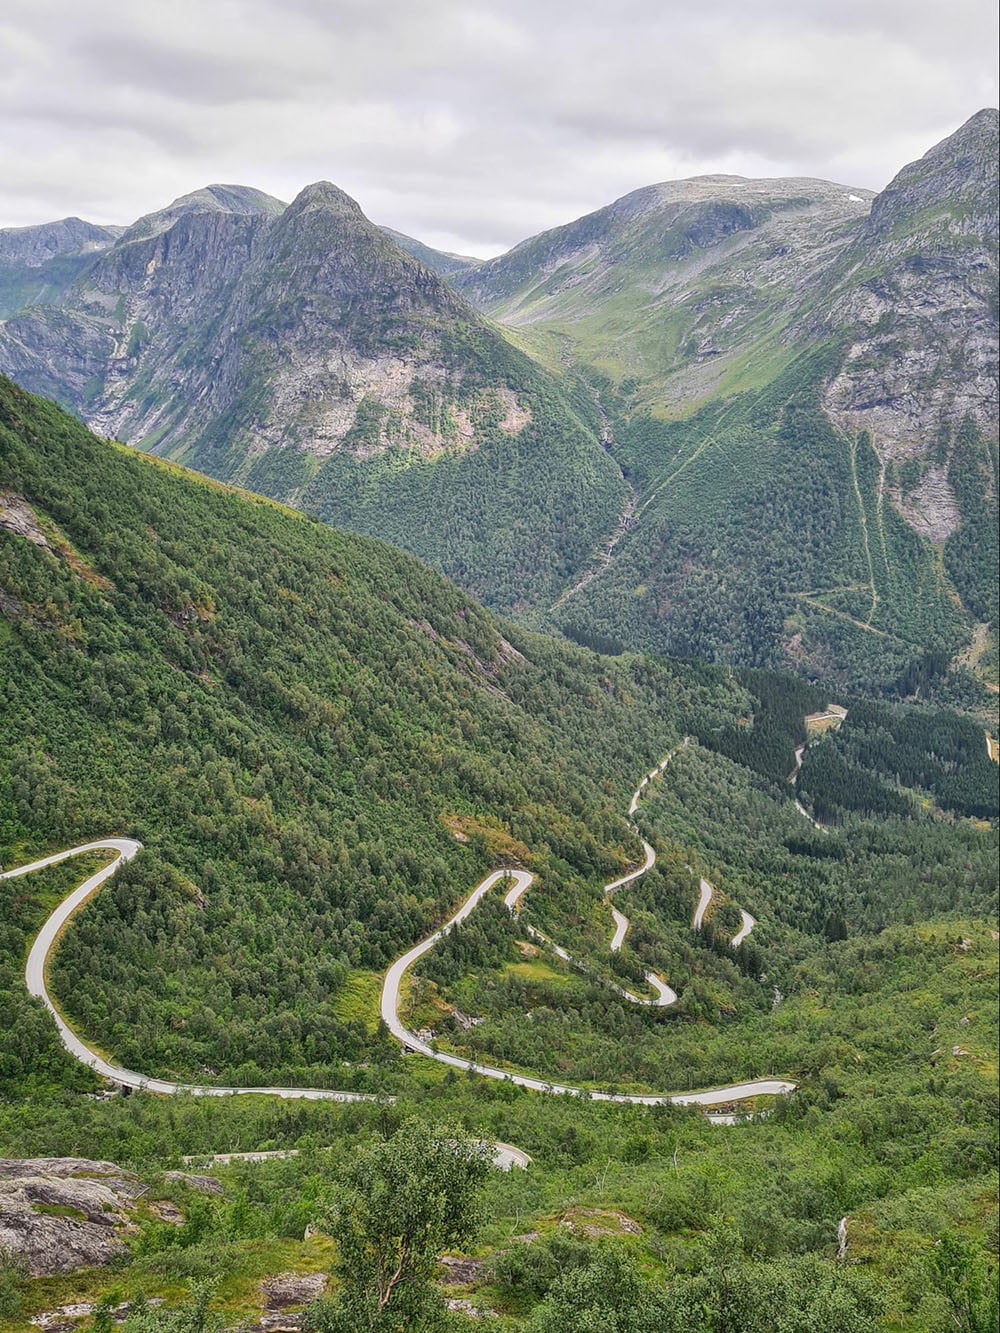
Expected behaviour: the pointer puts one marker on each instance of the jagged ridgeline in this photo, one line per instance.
(322, 743)
(302, 352)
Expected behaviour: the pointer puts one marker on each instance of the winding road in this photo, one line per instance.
(705, 891)
(747, 924)
(793, 778)
(664, 995)
(505, 1156)
(34, 975)
(519, 880)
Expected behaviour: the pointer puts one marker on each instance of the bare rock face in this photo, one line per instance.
(17, 516)
(203, 1184)
(916, 299)
(61, 1214)
(286, 1289)
(931, 508)
(41, 263)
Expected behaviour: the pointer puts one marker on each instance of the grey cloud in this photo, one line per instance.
(471, 125)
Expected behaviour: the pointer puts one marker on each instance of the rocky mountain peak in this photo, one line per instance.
(958, 177)
(240, 200)
(915, 298)
(326, 195)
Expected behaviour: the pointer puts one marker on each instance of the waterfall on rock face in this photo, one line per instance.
(842, 1238)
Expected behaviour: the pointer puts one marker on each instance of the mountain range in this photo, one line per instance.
(313, 749)
(750, 421)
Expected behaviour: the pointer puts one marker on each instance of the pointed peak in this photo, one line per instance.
(959, 172)
(986, 119)
(977, 136)
(324, 194)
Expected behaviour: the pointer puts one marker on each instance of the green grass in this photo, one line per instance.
(538, 970)
(357, 1000)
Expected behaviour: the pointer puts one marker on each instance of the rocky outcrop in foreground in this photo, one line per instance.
(59, 1214)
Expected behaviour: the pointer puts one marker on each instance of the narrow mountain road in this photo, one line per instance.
(748, 923)
(34, 974)
(521, 881)
(410, 1041)
(505, 1156)
(794, 780)
(705, 891)
(664, 995)
(622, 924)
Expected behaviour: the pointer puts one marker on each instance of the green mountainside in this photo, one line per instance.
(794, 383)
(297, 723)
(799, 384)
(679, 289)
(301, 352)
(322, 745)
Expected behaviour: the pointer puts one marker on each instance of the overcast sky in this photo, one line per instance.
(470, 125)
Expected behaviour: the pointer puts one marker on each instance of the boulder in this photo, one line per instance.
(61, 1214)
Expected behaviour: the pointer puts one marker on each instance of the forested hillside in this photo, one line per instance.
(763, 535)
(321, 743)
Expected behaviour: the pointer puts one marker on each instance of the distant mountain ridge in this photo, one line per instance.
(301, 352)
(41, 263)
(747, 420)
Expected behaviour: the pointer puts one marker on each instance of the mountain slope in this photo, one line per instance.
(441, 261)
(42, 263)
(802, 394)
(673, 287)
(300, 351)
(321, 743)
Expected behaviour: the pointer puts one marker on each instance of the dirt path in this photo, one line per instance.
(604, 554)
(863, 517)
